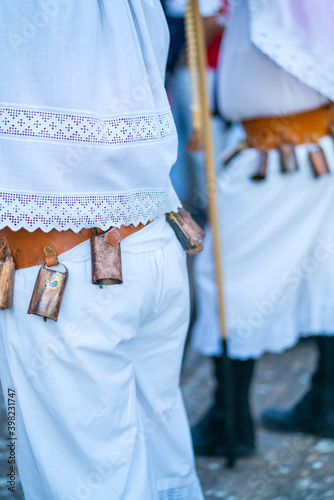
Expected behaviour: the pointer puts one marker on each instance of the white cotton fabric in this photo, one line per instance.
(177, 8)
(286, 79)
(299, 37)
(277, 240)
(87, 137)
(99, 409)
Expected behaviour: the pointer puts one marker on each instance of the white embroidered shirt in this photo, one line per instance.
(87, 138)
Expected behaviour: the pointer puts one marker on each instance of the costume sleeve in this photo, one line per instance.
(84, 143)
(299, 37)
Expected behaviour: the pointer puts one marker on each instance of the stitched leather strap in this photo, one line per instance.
(30, 249)
(115, 235)
(51, 258)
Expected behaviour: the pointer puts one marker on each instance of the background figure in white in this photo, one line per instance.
(188, 173)
(277, 235)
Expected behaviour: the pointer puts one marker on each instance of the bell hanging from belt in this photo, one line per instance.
(106, 261)
(331, 129)
(188, 232)
(331, 120)
(7, 271)
(261, 172)
(288, 157)
(230, 153)
(318, 161)
(49, 288)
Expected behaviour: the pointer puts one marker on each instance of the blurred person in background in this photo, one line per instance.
(188, 173)
(276, 210)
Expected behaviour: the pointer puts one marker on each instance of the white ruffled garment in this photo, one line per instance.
(87, 138)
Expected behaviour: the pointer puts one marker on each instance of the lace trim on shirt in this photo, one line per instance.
(71, 127)
(309, 62)
(190, 492)
(62, 212)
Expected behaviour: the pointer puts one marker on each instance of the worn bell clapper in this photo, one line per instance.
(331, 119)
(106, 261)
(232, 152)
(49, 288)
(7, 271)
(318, 160)
(288, 159)
(261, 172)
(187, 231)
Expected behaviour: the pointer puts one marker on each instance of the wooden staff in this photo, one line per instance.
(202, 136)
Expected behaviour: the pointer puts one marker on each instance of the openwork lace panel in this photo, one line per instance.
(32, 211)
(189, 492)
(82, 133)
(48, 126)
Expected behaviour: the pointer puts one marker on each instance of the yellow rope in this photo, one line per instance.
(196, 141)
(202, 126)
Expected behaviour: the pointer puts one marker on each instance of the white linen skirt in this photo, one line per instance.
(277, 241)
(99, 411)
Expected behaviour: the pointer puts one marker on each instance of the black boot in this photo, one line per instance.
(209, 435)
(324, 421)
(244, 425)
(314, 414)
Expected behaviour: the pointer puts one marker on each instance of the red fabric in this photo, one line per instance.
(213, 52)
(213, 48)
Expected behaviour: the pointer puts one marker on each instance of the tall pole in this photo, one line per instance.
(202, 134)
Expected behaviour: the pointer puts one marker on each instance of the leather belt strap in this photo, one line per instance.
(51, 257)
(35, 248)
(116, 234)
(301, 128)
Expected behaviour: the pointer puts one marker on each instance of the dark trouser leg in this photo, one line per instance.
(245, 432)
(324, 425)
(209, 436)
(314, 413)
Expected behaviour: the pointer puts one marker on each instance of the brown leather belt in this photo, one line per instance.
(28, 248)
(301, 128)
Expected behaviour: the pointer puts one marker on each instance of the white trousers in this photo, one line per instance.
(99, 411)
(277, 238)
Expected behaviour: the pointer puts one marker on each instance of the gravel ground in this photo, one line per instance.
(286, 467)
